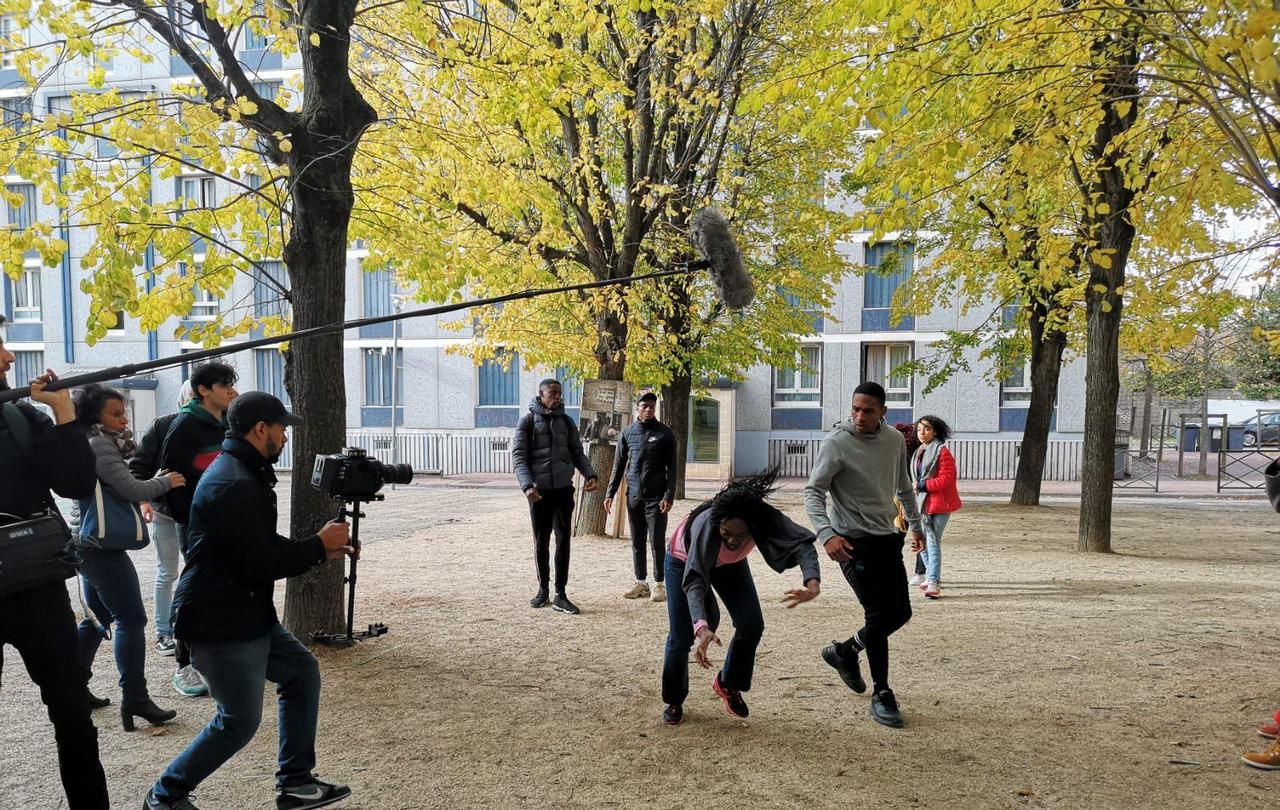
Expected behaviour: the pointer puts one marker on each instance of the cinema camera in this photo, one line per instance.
(354, 478)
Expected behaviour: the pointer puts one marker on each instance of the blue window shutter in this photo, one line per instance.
(499, 386)
(377, 293)
(879, 289)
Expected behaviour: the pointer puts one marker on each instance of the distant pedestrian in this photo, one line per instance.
(647, 455)
(933, 474)
(545, 452)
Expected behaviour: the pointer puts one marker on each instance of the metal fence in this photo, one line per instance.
(1243, 469)
(975, 458)
(431, 452)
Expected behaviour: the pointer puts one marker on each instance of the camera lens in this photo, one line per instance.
(397, 474)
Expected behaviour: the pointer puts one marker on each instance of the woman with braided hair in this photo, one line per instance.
(707, 556)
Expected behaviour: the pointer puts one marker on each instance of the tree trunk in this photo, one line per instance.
(1046, 366)
(1148, 394)
(333, 118)
(675, 413)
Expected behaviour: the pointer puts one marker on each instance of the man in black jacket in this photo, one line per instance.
(647, 454)
(545, 451)
(38, 622)
(224, 612)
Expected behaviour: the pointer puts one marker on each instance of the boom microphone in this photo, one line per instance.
(710, 233)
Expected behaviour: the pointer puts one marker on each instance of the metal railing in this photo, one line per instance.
(1243, 469)
(975, 458)
(430, 452)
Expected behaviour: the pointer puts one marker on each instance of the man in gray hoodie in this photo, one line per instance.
(862, 463)
(545, 451)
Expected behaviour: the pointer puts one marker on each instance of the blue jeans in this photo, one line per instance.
(164, 539)
(236, 672)
(932, 554)
(734, 585)
(111, 591)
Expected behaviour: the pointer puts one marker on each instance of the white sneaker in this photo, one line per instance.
(931, 590)
(917, 580)
(659, 593)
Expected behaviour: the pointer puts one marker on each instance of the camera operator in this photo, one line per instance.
(38, 621)
(223, 610)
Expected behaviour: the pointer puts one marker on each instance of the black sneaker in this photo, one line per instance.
(732, 699)
(152, 803)
(539, 599)
(673, 714)
(563, 605)
(884, 709)
(849, 671)
(310, 794)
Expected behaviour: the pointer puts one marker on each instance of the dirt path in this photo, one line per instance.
(1044, 678)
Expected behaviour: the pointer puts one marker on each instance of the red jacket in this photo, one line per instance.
(943, 497)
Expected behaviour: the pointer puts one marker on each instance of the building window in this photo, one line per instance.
(205, 306)
(24, 213)
(896, 260)
(16, 111)
(882, 363)
(377, 377)
(379, 292)
(1015, 389)
(197, 191)
(810, 309)
(799, 383)
(270, 283)
(571, 387)
(255, 40)
(26, 296)
(11, 36)
(500, 386)
(26, 367)
(119, 326)
(269, 365)
(267, 91)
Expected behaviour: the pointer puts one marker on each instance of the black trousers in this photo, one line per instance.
(648, 524)
(41, 627)
(553, 512)
(880, 582)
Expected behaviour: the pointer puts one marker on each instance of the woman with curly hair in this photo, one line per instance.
(707, 556)
(933, 471)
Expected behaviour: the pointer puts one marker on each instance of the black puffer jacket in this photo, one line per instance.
(647, 454)
(234, 555)
(546, 449)
(59, 459)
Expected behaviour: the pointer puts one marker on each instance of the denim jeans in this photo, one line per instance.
(164, 539)
(932, 554)
(236, 672)
(648, 525)
(111, 591)
(734, 585)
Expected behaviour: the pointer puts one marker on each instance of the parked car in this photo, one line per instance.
(1265, 433)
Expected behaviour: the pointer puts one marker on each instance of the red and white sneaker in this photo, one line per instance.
(1269, 729)
(931, 590)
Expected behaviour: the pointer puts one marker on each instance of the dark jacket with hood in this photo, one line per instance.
(145, 461)
(788, 546)
(192, 443)
(647, 454)
(234, 555)
(59, 459)
(547, 449)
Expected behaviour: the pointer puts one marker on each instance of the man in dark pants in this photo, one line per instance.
(223, 610)
(38, 621)
(647, 454)
(862, 464)
(545, 451)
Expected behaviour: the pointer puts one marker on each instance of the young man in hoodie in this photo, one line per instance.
(194, 440)
(545, 451)
(647, 454)
(862, 464)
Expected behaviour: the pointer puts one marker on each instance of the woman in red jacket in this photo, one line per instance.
(934, 472)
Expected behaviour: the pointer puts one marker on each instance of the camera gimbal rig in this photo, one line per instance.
(351, 508)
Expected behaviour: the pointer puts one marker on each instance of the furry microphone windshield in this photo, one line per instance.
(710, 232)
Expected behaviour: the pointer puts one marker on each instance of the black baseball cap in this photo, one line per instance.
(253, 407)
(647, 396)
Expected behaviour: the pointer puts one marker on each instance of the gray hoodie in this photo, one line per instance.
(863, 472)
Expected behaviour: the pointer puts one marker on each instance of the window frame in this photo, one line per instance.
(798, 389)
(895, 397)
(398, 358)
(1020, 391)
(30, 278)
(9, 56)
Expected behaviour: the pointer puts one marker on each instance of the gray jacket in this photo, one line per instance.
(113, 471)
(862, 472)
(546, 449)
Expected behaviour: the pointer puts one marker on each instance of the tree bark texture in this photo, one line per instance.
(675, 413)
(333, 118)
(1046, 366)
(1148, 394)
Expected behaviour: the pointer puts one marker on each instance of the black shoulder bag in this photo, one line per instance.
(34, 550)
